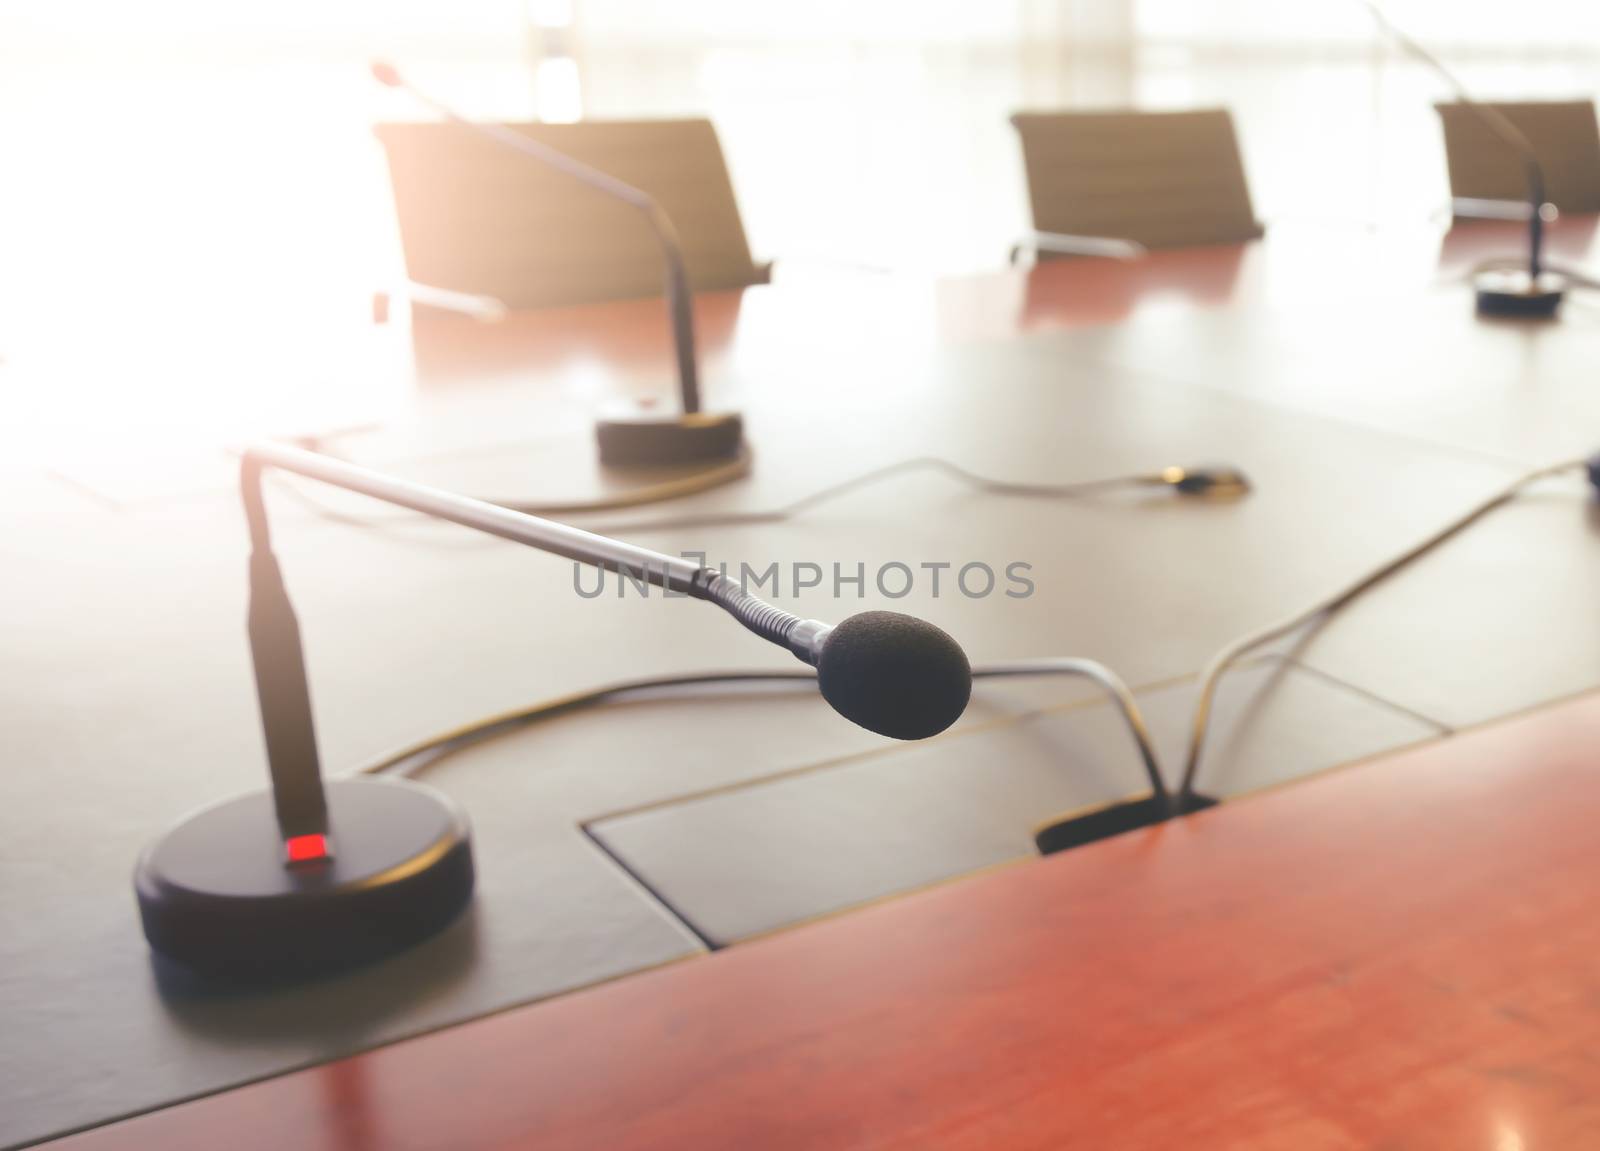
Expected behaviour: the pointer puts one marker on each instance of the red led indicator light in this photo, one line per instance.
(306, 848)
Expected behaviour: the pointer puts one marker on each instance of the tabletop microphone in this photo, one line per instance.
(1536, 291)
(893, 674)
(315, 875)
(642, 438)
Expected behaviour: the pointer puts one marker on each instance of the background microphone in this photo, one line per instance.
(1534, 292)
(315, 875)
(642, 439)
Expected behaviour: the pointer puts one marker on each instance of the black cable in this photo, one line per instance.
(416, 758)
(1332, 603)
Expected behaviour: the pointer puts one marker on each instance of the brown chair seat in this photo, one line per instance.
(1564, 136)
(1160, 179)
(476, 217)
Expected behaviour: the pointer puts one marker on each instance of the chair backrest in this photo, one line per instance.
(480, 218)
(1564, 136)
(1164, 179)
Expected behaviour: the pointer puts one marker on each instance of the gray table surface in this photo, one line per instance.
(125, 695)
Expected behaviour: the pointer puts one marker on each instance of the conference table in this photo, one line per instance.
(1397, 955)
(1340, 366)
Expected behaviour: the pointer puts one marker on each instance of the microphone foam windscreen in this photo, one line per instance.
(894, 674)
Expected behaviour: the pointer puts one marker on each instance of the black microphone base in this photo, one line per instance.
(1096, 823)
(652, 440)
(217, 896)
(1506, 293)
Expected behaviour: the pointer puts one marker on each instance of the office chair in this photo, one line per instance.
(1147, 179)
(1564, 136)
(480, 220)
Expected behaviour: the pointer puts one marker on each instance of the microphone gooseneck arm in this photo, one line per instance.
(892, 674)
(282, 685)
(672, 573)
(677, 277)
(664, 571)
(1492, 118)
(803, 637)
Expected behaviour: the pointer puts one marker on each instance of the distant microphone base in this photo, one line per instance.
(223, 895)
(1517, 294)
(650, 439)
